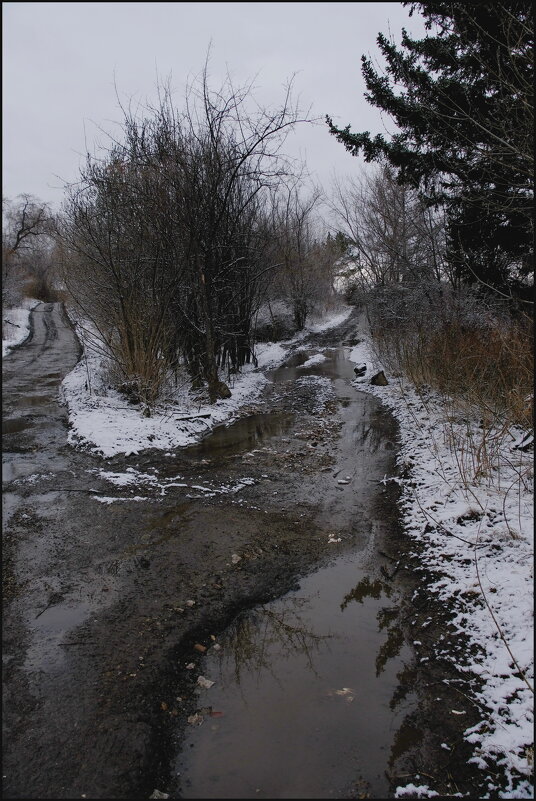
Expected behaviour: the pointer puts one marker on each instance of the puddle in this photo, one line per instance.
(311, 691)
(243, 434)
(35, 400)
(305, 697)
(53, 624)
(335, 366)
(15, 425)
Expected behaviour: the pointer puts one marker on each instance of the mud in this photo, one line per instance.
(105, 603)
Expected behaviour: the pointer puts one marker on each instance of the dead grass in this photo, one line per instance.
(487, 371)
(479, 358)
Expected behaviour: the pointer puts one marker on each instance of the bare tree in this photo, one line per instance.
(26, 225)
(166, 233)
(395, 236)
(304, 273)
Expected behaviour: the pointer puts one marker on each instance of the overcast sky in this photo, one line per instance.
(60, 59)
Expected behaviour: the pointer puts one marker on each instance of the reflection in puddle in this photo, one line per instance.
(242, 434)
(310, 689)
(304, 710)
(254, 637)
(35, 400)
(335, 366)
(15, 425)
(364, 589)
(55, 621)
(386, 617)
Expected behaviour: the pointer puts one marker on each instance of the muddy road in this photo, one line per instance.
(263, 558)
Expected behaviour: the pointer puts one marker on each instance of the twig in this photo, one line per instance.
(499, 629)
(443, 528)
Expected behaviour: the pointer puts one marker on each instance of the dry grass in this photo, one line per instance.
(487, 369)
(480, 360)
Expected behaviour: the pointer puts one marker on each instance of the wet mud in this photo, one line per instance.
(274, 539)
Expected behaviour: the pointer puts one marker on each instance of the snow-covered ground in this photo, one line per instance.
(476, 536)
(102, 420)
(16, 324)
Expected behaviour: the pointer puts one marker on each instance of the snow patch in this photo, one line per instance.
(101, 420)
(16, 324)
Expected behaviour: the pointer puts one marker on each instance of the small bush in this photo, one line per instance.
(38, 287)
(467, 346)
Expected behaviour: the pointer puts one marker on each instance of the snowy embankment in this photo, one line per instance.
(476, 538)
(101, 418)
(16, 324)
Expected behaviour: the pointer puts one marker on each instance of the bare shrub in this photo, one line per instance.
(26, 250)
(165, 237)
(466, 345)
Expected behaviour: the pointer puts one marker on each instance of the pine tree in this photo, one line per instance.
(462, 98)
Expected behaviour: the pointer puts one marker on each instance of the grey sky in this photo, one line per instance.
(59, 61)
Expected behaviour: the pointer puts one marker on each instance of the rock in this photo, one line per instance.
(360, 370)
(223, 390)
(379, 379)
(158, 794)
(206, 684)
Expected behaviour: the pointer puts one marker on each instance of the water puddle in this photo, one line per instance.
(336, 366)
(242, 435)
(15, 425)
(311, 691)
(54, 622)
(306, 698)
(35, 400)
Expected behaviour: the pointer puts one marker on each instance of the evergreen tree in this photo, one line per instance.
(462, 98)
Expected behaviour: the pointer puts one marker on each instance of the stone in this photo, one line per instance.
(379, 379)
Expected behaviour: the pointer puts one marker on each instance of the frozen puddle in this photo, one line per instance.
(306, 701)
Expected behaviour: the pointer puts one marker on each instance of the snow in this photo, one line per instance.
(416, 791)
(16, 324)
(158, 487)
(476, 537)
(330, 321)
(103, 421)
(318, 358)
(270, 354)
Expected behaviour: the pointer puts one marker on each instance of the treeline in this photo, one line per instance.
(462, 99)
(439, 237)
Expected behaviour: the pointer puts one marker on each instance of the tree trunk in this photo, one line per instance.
(216, 388)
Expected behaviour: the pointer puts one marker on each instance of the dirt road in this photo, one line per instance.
(106, 601)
